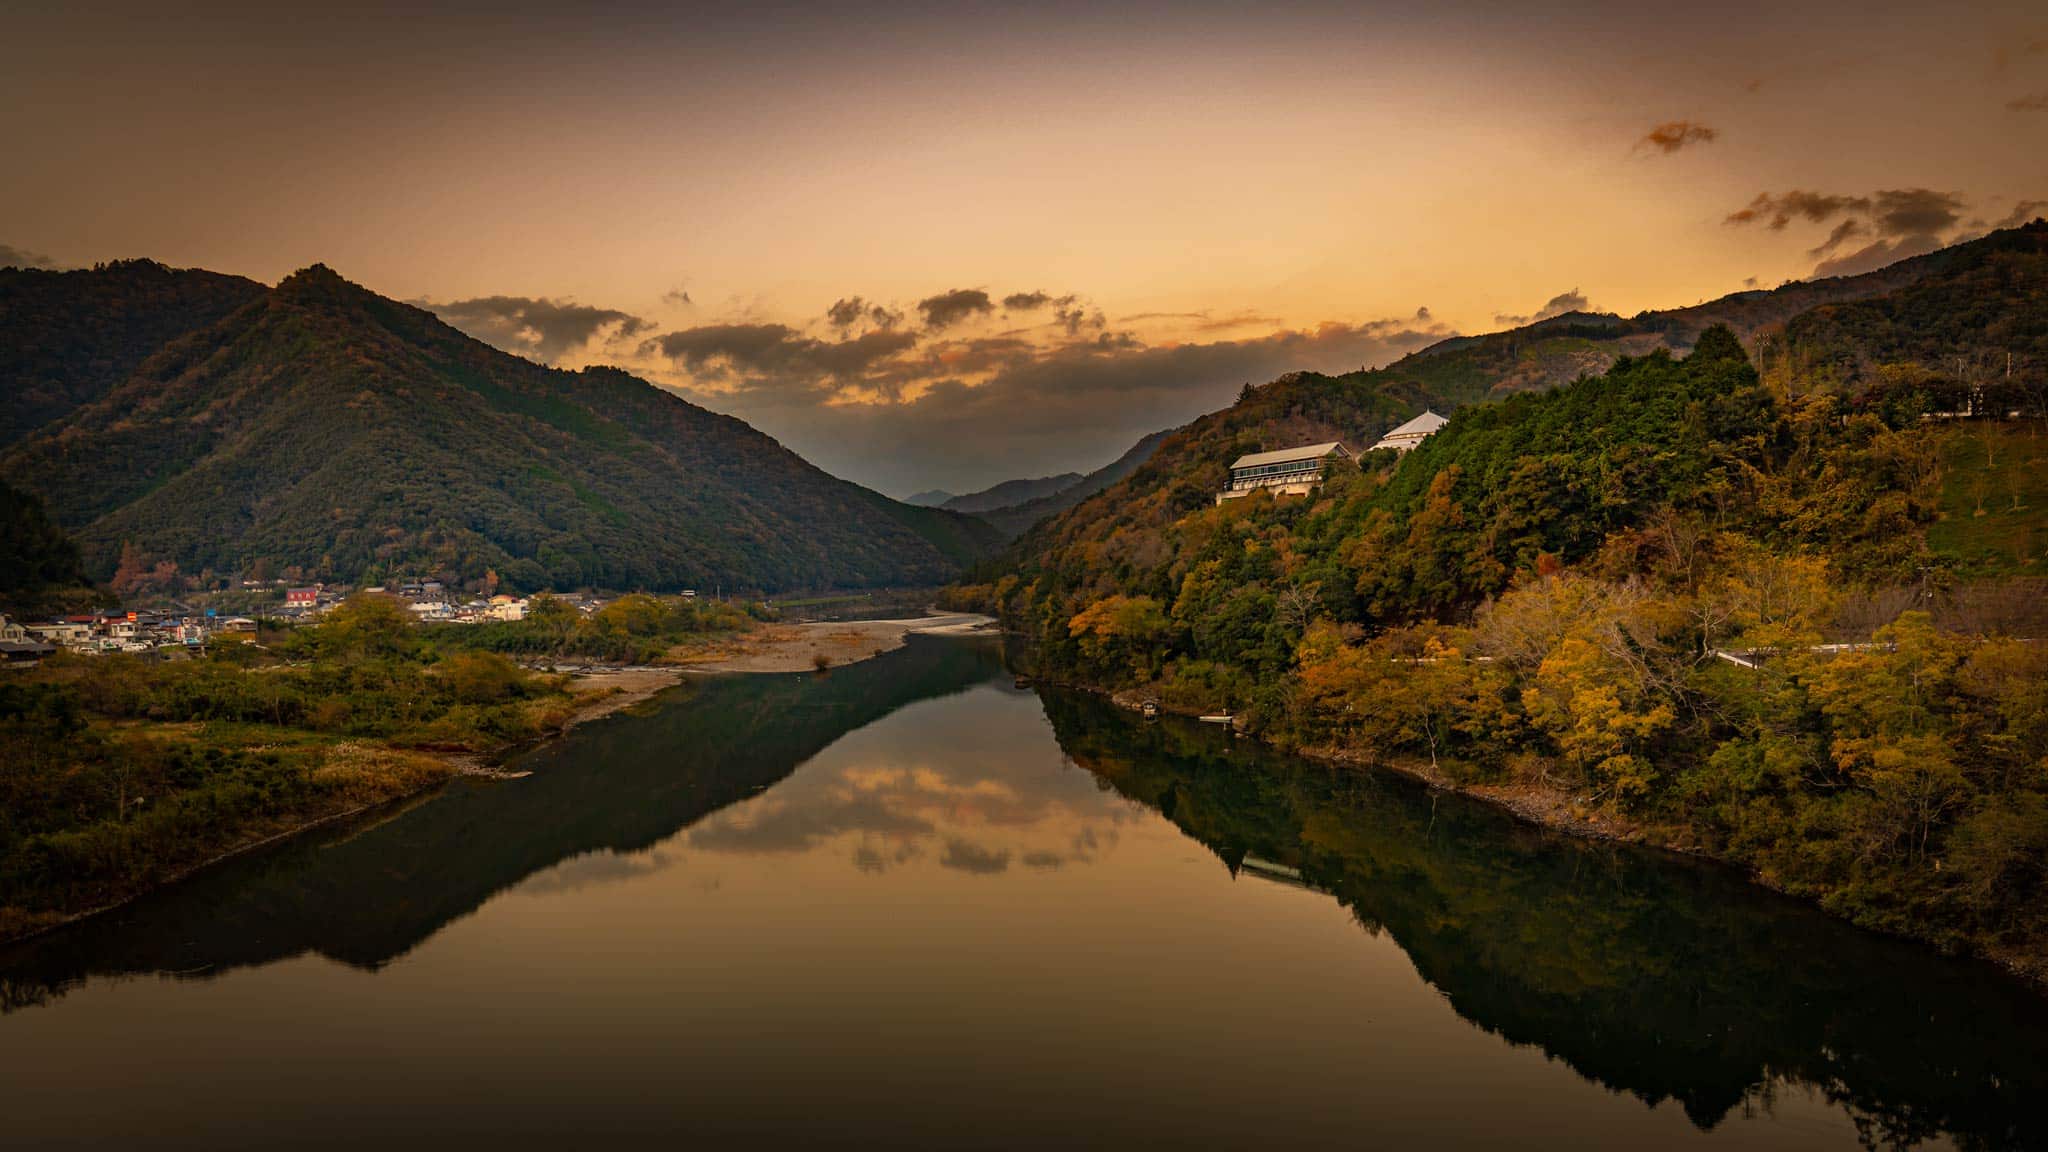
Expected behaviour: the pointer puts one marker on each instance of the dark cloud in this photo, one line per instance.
(2031, 102)
(1672, 135)
(1844, 232)
(964, 856)
(1897, 223)
(776, 357)
(537, 326)
(1779, 211)
(1875, 255)
(983, 410)
(12, 257)
(1558, 305)
(949, 308)
(2022, 213)
(1032, 301)
(678, 297)
(852, 311)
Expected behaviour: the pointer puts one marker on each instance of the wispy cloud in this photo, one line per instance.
(1895, 224)
(537, 326)
(12, 257)
(1673, 135)
(1558, 305)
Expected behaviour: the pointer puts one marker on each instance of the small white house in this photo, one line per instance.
(1285, 472)
(1412, 433)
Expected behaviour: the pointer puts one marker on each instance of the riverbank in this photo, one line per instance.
(1561, 810)
(821, 646)
(339, 780)
(358, 778)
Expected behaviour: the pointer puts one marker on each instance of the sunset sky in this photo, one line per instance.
(950, 244)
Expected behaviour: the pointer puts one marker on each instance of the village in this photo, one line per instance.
(178, 630)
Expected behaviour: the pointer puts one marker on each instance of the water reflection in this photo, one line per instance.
(1645, 974)
(1047, 916)
(369, 893)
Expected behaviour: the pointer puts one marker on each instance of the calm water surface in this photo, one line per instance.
(911, 905)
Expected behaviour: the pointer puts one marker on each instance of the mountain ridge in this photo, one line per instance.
(325, 428)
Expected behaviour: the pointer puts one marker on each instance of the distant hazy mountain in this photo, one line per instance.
(1011, 493)
(68, 337)
(323, 426)
(929, 498)
(1014, 519)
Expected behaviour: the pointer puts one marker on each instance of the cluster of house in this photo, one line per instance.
(172, 632)
(428, 599)
(1297, 471)
(118, 632)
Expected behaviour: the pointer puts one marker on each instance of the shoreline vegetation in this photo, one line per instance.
(126, 774)
(1682, 603)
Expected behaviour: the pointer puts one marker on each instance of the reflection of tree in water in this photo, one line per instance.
(1642, 972)
(369, 893)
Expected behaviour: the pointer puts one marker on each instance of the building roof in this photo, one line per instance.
(1417, 428)
(1289, 455)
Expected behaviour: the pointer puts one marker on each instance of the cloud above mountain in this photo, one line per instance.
(539, 327)
(12, 257)
(1869, 231)
(1558, 305)
(910, 409)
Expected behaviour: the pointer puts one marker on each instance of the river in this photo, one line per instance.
(909, 904)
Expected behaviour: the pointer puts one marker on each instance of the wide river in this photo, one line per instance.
(911, 905)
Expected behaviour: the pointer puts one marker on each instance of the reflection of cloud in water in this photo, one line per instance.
(914, 781)
(966, 856)
(593, 869)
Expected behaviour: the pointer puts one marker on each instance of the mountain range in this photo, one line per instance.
(1984, 301)
(319, 428)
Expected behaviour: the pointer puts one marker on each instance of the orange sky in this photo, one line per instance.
(1285, 168)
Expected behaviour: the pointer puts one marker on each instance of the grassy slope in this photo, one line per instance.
(1994, 499)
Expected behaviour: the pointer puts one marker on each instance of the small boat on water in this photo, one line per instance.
(1150, 708)
(1218, 718)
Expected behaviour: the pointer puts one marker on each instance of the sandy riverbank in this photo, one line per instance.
(798, 647)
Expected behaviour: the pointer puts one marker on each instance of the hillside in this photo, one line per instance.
(1982, 297)
(1011, 493)
(324, 429)
(68, 337)
(39, 567)
(1012, 521)
(1467, 369)
(1604, 602)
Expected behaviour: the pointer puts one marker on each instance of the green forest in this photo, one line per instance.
(124, 771)
(1619, 604)
(323, 432)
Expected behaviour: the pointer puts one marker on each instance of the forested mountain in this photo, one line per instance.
(68, 337)
(39, 567)
(1978, 299)
(1607, 599)
(1011, 492)
(326, 429)
(1562, 348)
(1014, 519)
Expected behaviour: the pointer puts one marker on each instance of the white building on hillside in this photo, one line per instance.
(1286, 472)
(1412, 433)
